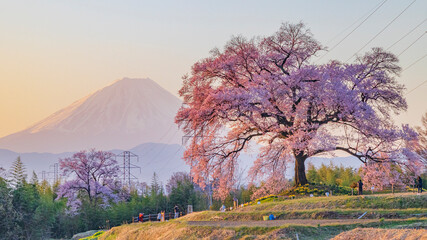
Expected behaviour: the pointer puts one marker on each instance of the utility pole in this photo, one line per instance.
(55, 172)
(127, 156)
(44, 173)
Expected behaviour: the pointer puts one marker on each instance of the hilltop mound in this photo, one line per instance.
(245, 223)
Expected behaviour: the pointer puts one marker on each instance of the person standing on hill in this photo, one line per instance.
(420, 185)
(360, 187)
(176, 210)
(235, 202)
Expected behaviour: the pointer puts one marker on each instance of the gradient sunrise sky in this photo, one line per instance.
(53, 53)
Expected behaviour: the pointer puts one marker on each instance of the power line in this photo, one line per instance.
(412, 44)
(407, 34)
(161, 138)
(339, 34)
(161, 150)
(419, 59)
(416, 87)
(177, 151)
(382, 30)
(168, 161)
(412, 64)
(151, 149)
(164, 135)
(164, 146)
(346, 36)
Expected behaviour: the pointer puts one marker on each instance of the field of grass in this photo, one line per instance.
(380, 201)
(310, 214)
(375, 233)
(300, 217)
(181, 230)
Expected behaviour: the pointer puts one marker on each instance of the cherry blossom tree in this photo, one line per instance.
(176, 178)
(92, 177)
(267, 90)
(273, 185)
(422, 131)
(381, 175)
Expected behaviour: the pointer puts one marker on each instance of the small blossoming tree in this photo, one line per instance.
(91, 177)
(381, 175)
(422, 147)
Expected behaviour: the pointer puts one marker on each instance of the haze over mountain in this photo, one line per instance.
(163, 159)
(130, 114)
(125, 114)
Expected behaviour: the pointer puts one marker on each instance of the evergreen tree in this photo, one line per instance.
(34, 179)
(17, 173)
(158, 200)
(155, 187)
(8, 215)
(25, 201)
(183, 194)
(2, 173)
(46, 212)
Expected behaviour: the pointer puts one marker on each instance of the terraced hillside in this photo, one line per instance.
(306, 218)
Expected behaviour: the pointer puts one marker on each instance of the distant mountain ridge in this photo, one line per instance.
(122, 115)
(163, 159)
(130, 114)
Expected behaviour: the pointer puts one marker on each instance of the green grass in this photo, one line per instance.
(405, 210)
(310, 214)
(180, 230)
(305, 232)
(389, 201)
(94, 236)
(327, 232)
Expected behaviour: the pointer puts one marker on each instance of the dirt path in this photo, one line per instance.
(276, 223)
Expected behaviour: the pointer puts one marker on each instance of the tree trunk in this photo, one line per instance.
(300, 178)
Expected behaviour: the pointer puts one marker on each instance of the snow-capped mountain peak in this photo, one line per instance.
(122, 115)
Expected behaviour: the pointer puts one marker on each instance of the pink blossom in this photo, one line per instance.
(266, 90)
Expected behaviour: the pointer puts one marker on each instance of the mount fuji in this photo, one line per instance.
(123, 115)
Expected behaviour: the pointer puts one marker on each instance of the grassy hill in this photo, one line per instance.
(307, 218)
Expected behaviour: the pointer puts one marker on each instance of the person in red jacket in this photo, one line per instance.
(141, 217)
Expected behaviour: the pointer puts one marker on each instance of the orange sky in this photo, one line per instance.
(55, 52)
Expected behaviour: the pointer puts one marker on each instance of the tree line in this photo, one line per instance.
(88, 196)
(36, 209)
